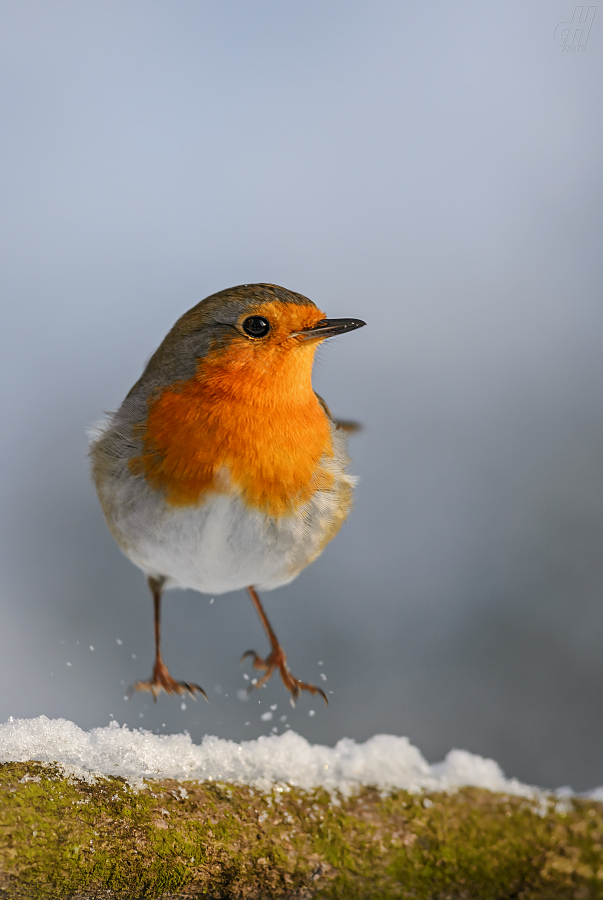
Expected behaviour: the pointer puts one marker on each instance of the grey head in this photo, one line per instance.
(208, 325)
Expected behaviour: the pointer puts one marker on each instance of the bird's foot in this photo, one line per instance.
(163, 681)
(278, 660)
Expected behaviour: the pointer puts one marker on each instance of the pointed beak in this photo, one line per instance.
(328, 328)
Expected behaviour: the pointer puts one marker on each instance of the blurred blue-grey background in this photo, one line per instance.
(433, 168)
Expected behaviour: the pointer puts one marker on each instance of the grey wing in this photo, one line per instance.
(345, 424)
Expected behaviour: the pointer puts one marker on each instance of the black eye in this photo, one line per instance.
(256, 326)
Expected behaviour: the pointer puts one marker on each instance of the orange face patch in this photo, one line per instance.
(247, 420)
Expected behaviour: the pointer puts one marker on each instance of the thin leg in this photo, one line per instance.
(162, 680)
(276, 659)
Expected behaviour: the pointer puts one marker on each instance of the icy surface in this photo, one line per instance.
(385, 761)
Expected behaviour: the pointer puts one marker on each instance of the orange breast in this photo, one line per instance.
(246, 422)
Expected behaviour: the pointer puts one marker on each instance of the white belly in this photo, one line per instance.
(221, 545)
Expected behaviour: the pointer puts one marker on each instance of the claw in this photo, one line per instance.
(313, 689)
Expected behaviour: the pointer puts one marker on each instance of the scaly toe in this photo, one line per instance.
(258, 662)
(156, 686)
(256, 684)
(152, 686)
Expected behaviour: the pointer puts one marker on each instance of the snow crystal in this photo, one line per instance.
(385, 761)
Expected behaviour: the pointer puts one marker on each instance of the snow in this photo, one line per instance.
(385, 761)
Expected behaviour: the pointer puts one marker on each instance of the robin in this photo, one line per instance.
(223, 469)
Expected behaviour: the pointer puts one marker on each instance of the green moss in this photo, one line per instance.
(62, 839)
(471, 844)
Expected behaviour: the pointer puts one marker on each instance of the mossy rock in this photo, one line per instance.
(65, 838)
